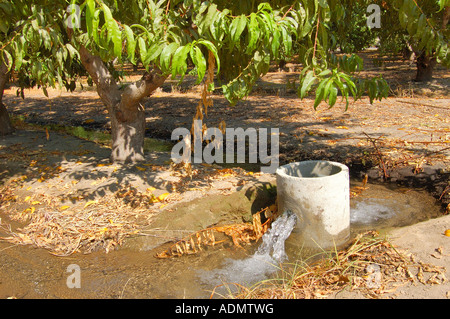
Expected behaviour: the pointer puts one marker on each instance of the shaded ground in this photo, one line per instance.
(64, 185)
(403, 136)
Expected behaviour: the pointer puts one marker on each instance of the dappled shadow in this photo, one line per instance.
(70, 168)
(304, 132)
(365, 136)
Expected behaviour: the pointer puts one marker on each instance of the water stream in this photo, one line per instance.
(262, 263)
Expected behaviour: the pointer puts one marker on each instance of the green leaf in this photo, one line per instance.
(211, 47)
(205, 21)
(199, 61)
(275, 43)
(153, 52)
(108, 20)
(72, 51)
(18, 52)
(95, 24)
(323, 3)
(116, 37)
(268, 20)
(254, 32)
(287, 41)
(324, 73)
(333, 94)
(7, 59)
(320, 93)
(307, 82)
(372, 90)
(179, 63)
(142, 51)
(350, 83)
(237, 27)
(131, 43)
(166, 56)
(113, 33)
(90, 13)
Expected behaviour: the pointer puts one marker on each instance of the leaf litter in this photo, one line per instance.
(102, 224)
(371, 265)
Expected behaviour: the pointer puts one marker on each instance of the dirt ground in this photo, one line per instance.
(403, 140)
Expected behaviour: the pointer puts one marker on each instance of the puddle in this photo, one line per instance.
(27, 272)
(383, 207)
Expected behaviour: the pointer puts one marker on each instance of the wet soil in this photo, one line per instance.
(133, 271)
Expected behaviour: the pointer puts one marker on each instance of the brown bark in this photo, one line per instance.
(425, 66)
(126, 112)
(426, 62)
(5, 122)
(446, 18)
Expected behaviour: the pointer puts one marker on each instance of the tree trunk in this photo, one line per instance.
(425, 67)
(5, 122)
(126, 112)
(128, 137)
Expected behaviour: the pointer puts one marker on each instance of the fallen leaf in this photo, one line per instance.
(160, 198)
(447, 233)
(63, 207)
(103, 164)
(141, 168)
(27, 199)
(30, 210)
(342, 127)
(90, 203)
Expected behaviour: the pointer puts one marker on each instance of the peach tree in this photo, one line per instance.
(228, 46)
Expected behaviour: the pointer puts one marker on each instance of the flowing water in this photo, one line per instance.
(262, 263)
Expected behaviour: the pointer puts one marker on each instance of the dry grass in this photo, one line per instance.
(371, 265)
(103, 224)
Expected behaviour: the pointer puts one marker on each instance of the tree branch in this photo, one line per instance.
(445, 18)
(123, 103)
(135, 92)
(4, 74)
(106, 85)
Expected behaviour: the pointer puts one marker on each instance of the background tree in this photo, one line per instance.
(422, 28)
(5, 122)
(34, 49)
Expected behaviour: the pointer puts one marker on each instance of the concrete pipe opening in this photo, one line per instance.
(318, 192)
